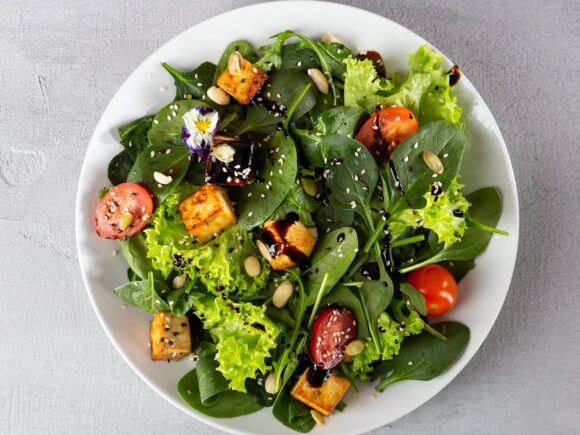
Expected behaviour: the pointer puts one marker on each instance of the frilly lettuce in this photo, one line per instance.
(361, 80)
(391, 335)
(425, 91)
(243, 334)
(437, 215)
(218, 264)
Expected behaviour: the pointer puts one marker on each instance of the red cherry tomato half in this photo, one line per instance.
(386, 129)
(437, 286)
(123, 211)
(332, 330)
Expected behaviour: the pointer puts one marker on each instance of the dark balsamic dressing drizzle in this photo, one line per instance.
(280, 228)
(317, 376)
(454, 75)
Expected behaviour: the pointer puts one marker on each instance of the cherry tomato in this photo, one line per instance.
(123, 211)
(332, 330)
(386, 129)
(437, 286)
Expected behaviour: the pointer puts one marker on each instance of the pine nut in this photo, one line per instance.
(270, 384)
(235, 63)
(218, 96)
(319, 79)
(354, 347)
(433, 162)
(329, 37)
(252, 266)
(125, 220)
(179, 281)
(162, 178)
(317, 416)
(309, 186)
(282, 294)
(264, 250)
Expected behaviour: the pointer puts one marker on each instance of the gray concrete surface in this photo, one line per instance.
(61, 62)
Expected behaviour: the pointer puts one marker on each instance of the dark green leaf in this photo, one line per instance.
(292, 413)
(135, 253)
(375, 297)
(296, 56)
(166, 127)
(329, 218)
(443, 139)
(119, 167)
(335, 54)
(415, 297)
(338, 120)
(170, 160)
(351, 173)
(285, 85)
(343, 296)
(259, 119)
(458, 268)
(146, 294)
(259, 200)
(243, 47)
(133, 136)
(206, 390)
(333, 254)
(272, 53)
(424, 357)
(193, 84)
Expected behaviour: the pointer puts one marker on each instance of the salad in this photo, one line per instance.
(295, 222)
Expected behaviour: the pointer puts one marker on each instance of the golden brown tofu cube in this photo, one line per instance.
(207, 212)
(286, 243)
(170, 338)
(324, 398)
(242, 79)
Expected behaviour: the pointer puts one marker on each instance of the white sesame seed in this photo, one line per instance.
(155, 122)
(397, 119)
(250, 214)
(152, 154)
(445, 155)
(406, 159)
(416, 145)
(168, 118)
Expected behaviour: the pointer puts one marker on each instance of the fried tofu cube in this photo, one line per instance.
(241, 79)
(324, 398)
(207, 212)
(286, 243)
(170, 338)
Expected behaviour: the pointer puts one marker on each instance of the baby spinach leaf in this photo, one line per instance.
(341, 294)
(351, 174)
(134, 251)
(416, 298)
(296, 56)
(272, 53)
(166, 127)
(335, 54)
(259, 200)
(146, 294)
(258, 118)
(443, 139)
(133, 136)
(486, 208)
(170, 160)
(206, 390)
(458, 268)
(375, 297)
(330, 218)
(424, 357)
(243, 47)
(333, 254)
(285, 85)
(193, 84)
(337, 120)
(119, 167)
(292, 413)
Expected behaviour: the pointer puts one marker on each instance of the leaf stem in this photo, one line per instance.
(484, 227)
(295, 104)
(318, 299)
(433, 331)
(418, 265)
(353, 284)
(407, 241)
(374, 236)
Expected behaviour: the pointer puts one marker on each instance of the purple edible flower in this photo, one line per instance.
(200, 124)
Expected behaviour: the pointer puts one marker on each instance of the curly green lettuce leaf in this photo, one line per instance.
(391, 335)
(425, 91)
(218, 264)
(437, 215)
(361, 80)
(244, 337)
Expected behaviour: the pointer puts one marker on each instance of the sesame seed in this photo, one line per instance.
(174, 113)
(168, 118)
(250, 214)
(410, 363)
(397, 119)
(355, 177)
(200, 84)
(406, 159)
(152, 154)
(299, 63)
(278, 96)
(155, 122)
(434, 175)
(445, 155)
(416, 145)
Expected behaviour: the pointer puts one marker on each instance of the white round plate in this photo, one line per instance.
(486, 163)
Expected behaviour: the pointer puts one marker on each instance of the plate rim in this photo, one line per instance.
(84, 169)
